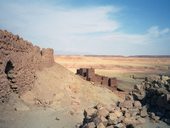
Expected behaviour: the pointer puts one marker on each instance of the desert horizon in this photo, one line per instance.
(98, 55)
(85, 64)
(35, 83)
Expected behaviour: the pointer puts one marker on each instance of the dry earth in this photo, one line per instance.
(57, 96)
(37, 92)
(58, 87)
(60, 98)
(118, 66)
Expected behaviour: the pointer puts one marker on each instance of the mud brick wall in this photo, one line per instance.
(113, 82)
(105, 80)
(89, 74)
(19, 60)
(98, 79)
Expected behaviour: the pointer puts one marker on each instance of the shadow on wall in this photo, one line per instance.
(9, 69)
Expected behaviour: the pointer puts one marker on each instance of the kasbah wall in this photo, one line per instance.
(19, 60)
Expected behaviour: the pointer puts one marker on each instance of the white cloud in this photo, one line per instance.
(66, 21)
(156, 32)
(79, 30)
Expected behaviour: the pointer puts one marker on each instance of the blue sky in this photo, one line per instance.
(107, 27)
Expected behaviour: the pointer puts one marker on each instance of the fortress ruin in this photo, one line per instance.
(89, 75)
(19, 60)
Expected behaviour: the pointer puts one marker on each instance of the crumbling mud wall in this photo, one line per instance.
(89, 75)
(19, 60)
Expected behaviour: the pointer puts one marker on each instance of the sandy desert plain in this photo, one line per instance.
(121, 67)
(40, 90)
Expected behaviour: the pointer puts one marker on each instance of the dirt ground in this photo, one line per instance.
(57, 100)
(28, 116)
(118, 66)
(33, 116)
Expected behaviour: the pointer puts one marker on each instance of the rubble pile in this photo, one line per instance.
(155, 95)
(148, 100)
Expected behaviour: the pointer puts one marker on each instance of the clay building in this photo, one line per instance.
(89, 75)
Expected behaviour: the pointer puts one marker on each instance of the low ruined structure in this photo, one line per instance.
(19, 60)
(89, 75)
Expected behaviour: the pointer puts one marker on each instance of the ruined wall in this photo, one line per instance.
(19, 60)
(113, 82)
(89, 74)
(47, 59)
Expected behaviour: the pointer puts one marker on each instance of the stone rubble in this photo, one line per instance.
(154, 94)
(121, 115)
(150, 99)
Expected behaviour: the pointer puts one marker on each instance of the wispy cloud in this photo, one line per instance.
(87, 30)
(155, 31)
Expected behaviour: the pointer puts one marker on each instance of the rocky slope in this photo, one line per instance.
(149, 100)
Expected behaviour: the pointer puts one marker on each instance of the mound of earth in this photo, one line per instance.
(61, 89)
(36, 92)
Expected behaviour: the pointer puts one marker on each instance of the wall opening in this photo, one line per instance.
(9, 69)
(109, 82)
(41, 53)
